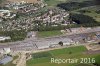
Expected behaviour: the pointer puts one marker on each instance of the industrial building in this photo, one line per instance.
(5, 60)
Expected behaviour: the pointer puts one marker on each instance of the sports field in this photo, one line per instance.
(44, 58)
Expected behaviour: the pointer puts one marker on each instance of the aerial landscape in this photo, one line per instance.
(49, 32)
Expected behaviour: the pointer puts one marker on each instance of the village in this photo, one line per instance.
(23, 15)
(22, 22)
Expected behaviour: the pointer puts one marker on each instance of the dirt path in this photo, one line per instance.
(22, 61)
(16, 60)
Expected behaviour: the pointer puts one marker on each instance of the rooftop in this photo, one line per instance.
(5, 60)
(29, 1)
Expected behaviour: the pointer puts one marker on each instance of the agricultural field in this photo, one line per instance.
(55, 2)
(93, 11)
(44, 58)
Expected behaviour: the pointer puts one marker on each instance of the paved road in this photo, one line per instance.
(35, 43)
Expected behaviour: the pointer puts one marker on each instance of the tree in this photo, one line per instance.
(98, 42)
(60, 43)
(70, 52)
(81, 19)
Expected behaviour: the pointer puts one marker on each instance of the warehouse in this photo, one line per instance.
(5, 60)
(53, 42)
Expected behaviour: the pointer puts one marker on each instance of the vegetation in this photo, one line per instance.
(75, 5)
(60, 43)
(15, 35)
(41, 55)
(53, 2)
(49, 33)
(84, 12)
(2, 1)
(84, 20)
(72, 52)
(81, 19)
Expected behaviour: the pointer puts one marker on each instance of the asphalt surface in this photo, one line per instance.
(35, 43)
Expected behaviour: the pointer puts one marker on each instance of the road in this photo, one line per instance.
(22, 61)
(35, 43)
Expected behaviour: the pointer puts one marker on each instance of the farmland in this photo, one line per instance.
(43, 58)
(90, 11)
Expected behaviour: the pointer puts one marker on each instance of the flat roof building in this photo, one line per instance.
(5, 60)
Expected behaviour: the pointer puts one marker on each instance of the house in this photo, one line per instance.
(7, 14)
(54, 15)
(3, 38)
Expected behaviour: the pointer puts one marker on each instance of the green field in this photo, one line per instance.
(55, 2)
(90, 11)
(49, 33)
(44, 58)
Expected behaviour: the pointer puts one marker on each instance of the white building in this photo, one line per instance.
(6, 14)
(3, 38)
(5, 51)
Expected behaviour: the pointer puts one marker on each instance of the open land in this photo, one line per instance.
(76, 52)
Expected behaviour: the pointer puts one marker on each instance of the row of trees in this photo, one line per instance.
(81, 19)
(15, 35)
(84, 20)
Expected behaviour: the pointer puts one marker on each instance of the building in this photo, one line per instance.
(7, 14)
(3, 38)
(53, 43)
(28, 1)
(53, 15)
(5, 50)
(5, 60)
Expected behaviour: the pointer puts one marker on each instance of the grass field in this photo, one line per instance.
(49, 33)
(76, 52)
(90, 11)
